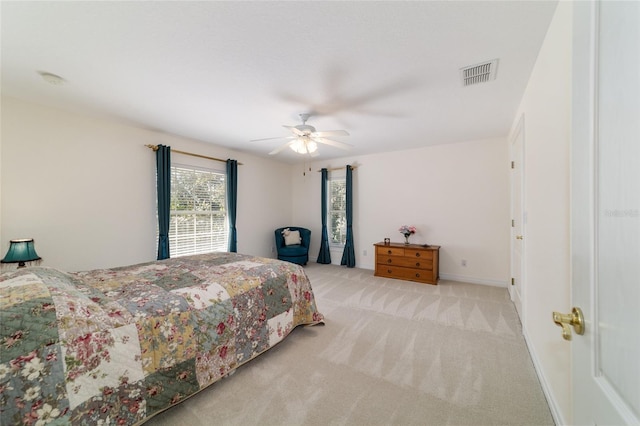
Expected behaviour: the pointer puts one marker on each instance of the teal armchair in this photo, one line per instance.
(296, 253)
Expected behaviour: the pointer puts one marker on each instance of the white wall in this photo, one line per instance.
(84, 188)
(457, 195)
(546, 106)
(88, 197)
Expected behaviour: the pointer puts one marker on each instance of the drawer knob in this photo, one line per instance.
(417, 275)
(418, 264)
(388, 271)
(417, 254)
(388, 260)
(389, 251)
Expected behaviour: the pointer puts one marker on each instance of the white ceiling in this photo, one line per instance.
(229, 72)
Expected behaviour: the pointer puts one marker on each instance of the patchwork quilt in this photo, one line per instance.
(116, 346)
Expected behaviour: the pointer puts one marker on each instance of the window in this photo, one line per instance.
(337, 211)
(198, 221)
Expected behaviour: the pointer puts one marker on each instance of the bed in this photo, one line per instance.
(118, 346)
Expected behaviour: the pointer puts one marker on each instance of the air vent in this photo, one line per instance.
(479, 73)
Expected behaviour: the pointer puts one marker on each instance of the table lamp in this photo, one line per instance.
(21, 251)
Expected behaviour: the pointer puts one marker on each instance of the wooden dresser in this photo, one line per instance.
(413, 262)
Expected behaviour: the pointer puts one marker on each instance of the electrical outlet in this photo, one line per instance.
(273, 249)
(463, 262)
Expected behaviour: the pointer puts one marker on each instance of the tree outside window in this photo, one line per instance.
(337, 206)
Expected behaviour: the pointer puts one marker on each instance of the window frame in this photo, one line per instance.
(341, 177)
(214, 245)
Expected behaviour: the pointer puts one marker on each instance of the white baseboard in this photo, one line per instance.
(449, 277)
(473, 280)
(548, 393)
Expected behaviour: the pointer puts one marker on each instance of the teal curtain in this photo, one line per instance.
(163, 178)
(349, 254)
(232, 201)
(324, 256)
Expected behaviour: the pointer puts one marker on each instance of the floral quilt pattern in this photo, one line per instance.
(116, 346)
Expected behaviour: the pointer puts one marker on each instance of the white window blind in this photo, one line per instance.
(337, 211)
(198, 211)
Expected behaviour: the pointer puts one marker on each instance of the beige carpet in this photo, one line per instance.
(391, 353)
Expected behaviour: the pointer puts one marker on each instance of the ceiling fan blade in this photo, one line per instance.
(269, 139)
(281, 147)
(294, 130)
(330, 142)
(331, 133)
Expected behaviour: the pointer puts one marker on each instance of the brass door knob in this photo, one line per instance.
(575, 319)
(519, 237)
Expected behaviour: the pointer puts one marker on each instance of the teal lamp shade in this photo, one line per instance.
(21, 251)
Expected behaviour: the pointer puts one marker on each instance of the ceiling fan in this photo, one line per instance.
(305, 138)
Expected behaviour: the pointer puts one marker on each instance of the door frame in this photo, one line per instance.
(517, 296)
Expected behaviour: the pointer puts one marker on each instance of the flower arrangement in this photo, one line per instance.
(407, 230)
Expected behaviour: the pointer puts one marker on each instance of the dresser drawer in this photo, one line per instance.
(418, 254)
(408, 262)
(389, 251)
(410, 274)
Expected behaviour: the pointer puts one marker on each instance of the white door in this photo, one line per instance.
(605, 240)
(517, 217)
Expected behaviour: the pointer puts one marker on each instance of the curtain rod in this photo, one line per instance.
(155, 148)
(339, 168)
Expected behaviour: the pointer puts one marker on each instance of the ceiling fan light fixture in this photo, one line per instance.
(298, 146)
(304, 146)
(312, 147)
(305, 139)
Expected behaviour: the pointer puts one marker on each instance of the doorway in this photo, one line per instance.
(516, 287)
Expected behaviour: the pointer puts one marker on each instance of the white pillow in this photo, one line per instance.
(291, 237)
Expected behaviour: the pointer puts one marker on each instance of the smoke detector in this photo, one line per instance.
(51, 78)
(479, 73)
